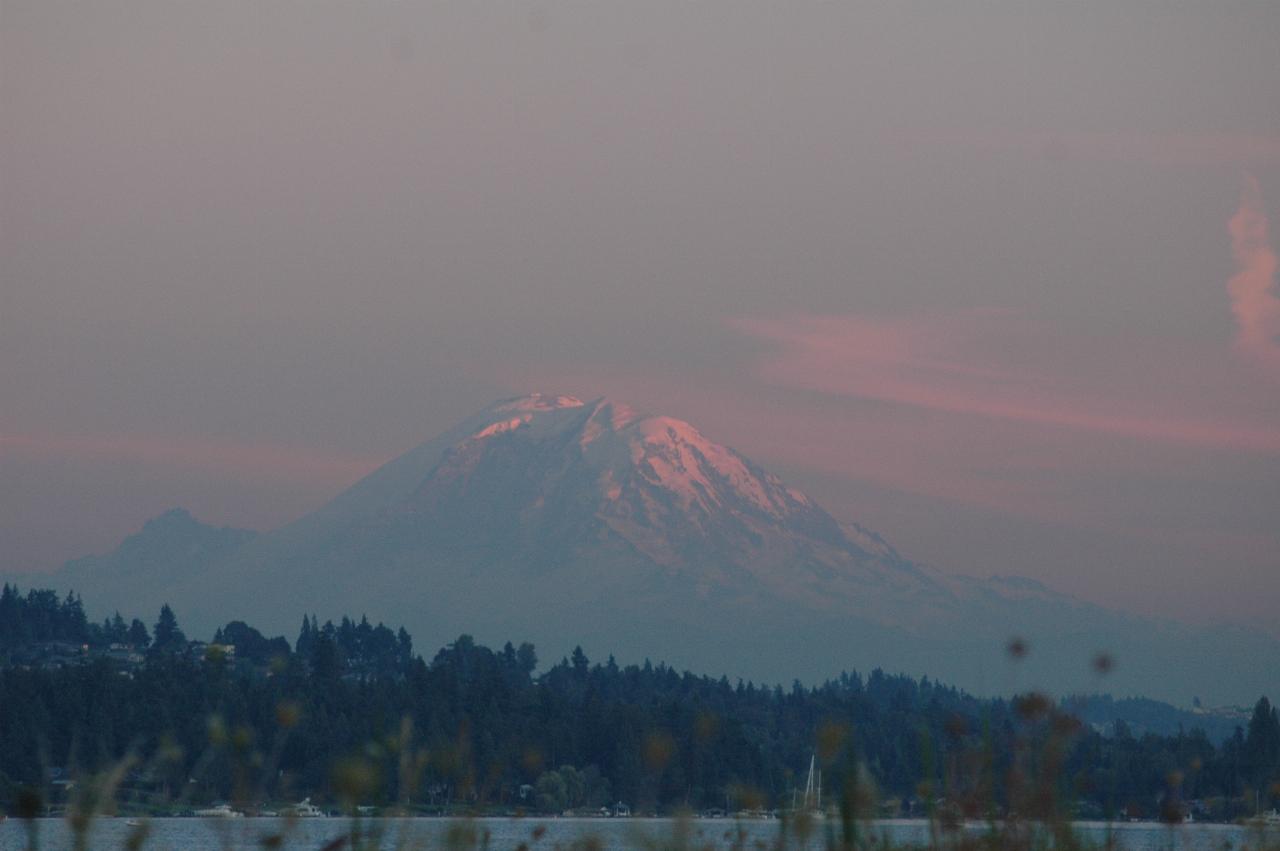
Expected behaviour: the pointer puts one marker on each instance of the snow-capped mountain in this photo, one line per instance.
(562, 521)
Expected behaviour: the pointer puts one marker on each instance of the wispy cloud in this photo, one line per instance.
(992, 365)
(1254, 299)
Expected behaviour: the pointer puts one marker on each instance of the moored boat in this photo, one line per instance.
(219, 811)
(306, 809)
(811, 806)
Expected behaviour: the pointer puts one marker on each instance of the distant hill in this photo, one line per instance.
(169, 549)
(1141, 715)
(563, 521)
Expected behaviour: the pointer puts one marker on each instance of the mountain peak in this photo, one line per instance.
(536, 402)
(658, 465)
(174, 518)
(675, 455)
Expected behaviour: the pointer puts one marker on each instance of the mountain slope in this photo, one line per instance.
(563, 521)
(168, 550)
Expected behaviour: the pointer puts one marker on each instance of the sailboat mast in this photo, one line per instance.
(813, 786)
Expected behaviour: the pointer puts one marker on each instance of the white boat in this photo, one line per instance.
(306, 809)
(811, 805)
(1271, 818)
(219, 811)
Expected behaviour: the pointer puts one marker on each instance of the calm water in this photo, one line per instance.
(190, 834)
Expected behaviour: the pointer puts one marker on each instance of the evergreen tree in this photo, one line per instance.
(404, 647)
(1262, 746)
(325, 664)
(526, 658)
(168, 636)
(305, 637)
(138, 635)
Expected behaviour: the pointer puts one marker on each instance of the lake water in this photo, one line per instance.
(504, 834)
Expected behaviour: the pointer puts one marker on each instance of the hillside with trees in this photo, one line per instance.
(247, 717)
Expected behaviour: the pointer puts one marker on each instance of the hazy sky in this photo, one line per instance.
(992, 279)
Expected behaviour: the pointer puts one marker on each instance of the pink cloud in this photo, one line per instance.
(1253, 290)
(996, 366)
(241, 460)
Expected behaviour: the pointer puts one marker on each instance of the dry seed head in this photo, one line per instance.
(242, 738)
(1031, 706)
(706, 726)
(354, 779)
(216, 730)
(832, 736)
(658, 750)
(287, 714)
(957, 726)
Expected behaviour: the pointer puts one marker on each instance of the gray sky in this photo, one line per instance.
(991, 279)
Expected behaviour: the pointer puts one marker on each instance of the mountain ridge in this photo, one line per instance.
(571, 521)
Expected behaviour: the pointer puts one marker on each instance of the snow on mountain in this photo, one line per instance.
(548, 518)
(568, 476)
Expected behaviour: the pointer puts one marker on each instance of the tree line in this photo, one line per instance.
(349, 711)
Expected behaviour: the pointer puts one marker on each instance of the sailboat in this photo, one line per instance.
(811, 806)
